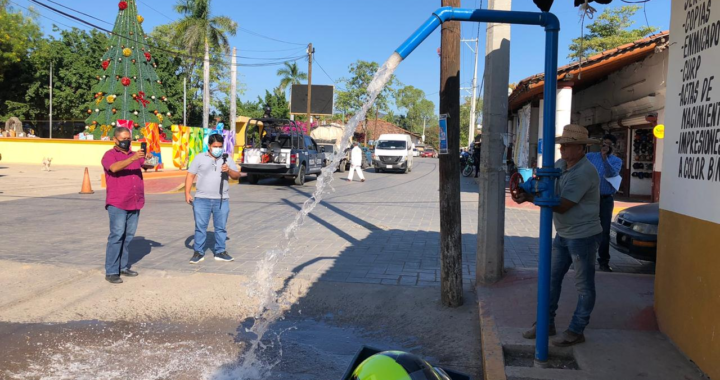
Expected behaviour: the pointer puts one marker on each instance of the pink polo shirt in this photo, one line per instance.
(125, 189)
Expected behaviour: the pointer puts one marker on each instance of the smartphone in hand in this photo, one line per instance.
(143, 146)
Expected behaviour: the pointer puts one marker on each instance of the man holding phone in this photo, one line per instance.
(124, 198)
(607, 166)
(212, 170)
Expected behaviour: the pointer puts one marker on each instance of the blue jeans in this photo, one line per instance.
(123, 225)
(202, 208)
(607, 204)
(581, 253)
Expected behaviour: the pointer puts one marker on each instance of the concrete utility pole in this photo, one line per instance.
(450, 221)
(491, 213)
(310, 52)
(233, 91)
(51, 93)
(473, 115)
(206, 87)
(185, 101)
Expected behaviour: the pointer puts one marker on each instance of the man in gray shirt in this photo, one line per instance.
(579, 232)
(211, 196)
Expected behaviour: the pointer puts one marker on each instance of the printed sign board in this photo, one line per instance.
(443, 135)
(691, 161)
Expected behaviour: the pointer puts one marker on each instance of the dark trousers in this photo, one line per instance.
(607, 204)
(123, 225)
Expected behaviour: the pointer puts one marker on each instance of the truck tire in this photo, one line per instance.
(253, 179)
(300, 178)
(343, 166)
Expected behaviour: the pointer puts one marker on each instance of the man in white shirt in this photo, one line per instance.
(356, 162)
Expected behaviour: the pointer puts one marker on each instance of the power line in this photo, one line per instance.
(162, 14)
(269, 38)
(323, 70)
(42, 15)
(271, 62)
(84, 14)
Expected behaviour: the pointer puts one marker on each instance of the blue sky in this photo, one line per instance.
(345, 31)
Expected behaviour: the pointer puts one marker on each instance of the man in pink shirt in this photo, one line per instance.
(124, 198)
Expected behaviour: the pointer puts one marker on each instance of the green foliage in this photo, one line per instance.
(354, 96)
(19, 35)
(418, 108)
(610, 30)
(465, 118)
(290, 74)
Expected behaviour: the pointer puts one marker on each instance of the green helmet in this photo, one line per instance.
(397, 365)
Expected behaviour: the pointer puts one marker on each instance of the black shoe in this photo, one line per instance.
(568, 338)
(605, 268)
(128, 273)
(114, 279)
(223, 257)
(196, 258)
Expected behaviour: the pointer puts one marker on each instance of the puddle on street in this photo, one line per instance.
(100, 350)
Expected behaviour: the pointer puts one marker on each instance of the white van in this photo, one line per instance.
(393, 152)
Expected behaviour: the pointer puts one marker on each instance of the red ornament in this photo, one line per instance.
(148, 57)
(122, 5)
(125, 81)
(137, 125)
(105, 64)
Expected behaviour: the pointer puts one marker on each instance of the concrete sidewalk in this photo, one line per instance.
(622, 341)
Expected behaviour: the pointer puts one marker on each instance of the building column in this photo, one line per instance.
(563, 111)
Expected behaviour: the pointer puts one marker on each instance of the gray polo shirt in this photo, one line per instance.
(579, 184)
(209, 171)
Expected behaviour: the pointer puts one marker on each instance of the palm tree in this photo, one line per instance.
(290, 74)
(200, 30)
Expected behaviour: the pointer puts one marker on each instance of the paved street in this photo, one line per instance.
(383, 231)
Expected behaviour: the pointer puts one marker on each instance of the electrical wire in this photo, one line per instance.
(84, 14)
(271, 62)
(323, 70)
(42, 15)
(269, 38)
(157, 11)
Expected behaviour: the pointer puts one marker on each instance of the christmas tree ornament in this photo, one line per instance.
(127, 52)
(140, 19)
(105, 64)
(168, 114)
(131, 33)
(159, 82)
(97, 109)
(137, 125)
(117, 77)
(135, 113)
(89, 112)
(94, 122)
(119, 59)
(156, 112)
(148, 57)
(125, 81)
(113, 123)
(114, 111)
(111, 99)
(133, 61)
(98, 77)
(152, 97)
(123, 5)
(134, 78)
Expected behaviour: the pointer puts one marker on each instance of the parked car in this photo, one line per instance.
(429, 152)
(634, 231)
(284, 151)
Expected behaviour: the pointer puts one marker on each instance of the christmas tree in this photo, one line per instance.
(129, 92)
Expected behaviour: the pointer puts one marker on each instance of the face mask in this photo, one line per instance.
(124, 144)
(217, 152)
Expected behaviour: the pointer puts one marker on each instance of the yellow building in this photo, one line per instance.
(687, 281)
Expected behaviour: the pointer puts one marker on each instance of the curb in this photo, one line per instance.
(491, 347)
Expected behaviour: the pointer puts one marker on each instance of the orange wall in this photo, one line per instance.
(687, 287)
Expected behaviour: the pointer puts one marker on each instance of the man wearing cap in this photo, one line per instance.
(608, 166)
(579, 232)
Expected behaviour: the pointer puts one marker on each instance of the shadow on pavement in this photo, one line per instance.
(141, 247)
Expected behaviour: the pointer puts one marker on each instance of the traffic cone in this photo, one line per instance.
(86, 188)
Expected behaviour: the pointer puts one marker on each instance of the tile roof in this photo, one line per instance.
(592, 68)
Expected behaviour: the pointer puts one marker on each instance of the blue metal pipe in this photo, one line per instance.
(544, 185)
(545, 19)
